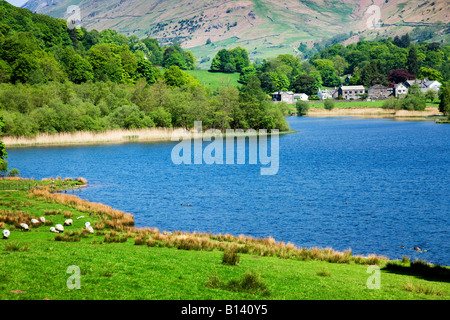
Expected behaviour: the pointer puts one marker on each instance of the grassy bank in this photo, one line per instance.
(119, 261)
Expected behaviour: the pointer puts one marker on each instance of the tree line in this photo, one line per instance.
(366, 63)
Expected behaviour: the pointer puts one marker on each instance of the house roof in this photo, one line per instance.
(353, 88)
(378, 86)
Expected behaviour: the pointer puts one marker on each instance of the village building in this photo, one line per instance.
(379, 92)
(400, 90)
(351, 92)
(327, 94)
(424, 84)
(300, 96)
(283, 96)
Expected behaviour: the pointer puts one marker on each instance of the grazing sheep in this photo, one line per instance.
(87, 224)
(59, 228)
(34, 221)
(6, 234)
(24, 226)
(90, 229)
(68, 222)
(42, 220)
(53, 229)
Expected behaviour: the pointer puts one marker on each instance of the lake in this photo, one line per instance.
(372, 185)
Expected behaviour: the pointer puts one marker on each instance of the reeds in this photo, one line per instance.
(114, 219)
(250, 282)
(88, 137)
(230, 257)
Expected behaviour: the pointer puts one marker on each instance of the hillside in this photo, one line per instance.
(264, 27)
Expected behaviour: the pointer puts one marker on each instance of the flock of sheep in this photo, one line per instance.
(59, 228)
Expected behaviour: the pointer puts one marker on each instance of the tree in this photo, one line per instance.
(329, 77)
(370, 75)
(221, 59)
(302, 107)
(412, 63)
(415, 99)
(78, 69)
(239, 58)
(340, 65)
(153, 46)
(400, 75)
(173, 57)
(106, 62)
(305, 83)
(3, 153)
(430, 95)
(444, 105)
(431, 74)
(147, 71)
(280, 81)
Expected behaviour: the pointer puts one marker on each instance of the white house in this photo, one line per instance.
(424, 84)
(433, 85)
(325, 94)
(300, 96)
(400, 90)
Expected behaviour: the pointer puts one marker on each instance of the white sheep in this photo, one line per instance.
(90, 229)
(53, 229)
(68, 222)
(59, 228)
(24, 226)
(42, 220)
(6, 234)
(34, 221)
(87, 224)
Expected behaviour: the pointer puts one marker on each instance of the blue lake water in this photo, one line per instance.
(371, 185)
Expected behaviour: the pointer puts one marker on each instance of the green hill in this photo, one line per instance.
(265, 28)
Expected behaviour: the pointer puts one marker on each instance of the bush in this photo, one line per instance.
(230, 257)
(329, 104)
(302, 107)
(392, 103)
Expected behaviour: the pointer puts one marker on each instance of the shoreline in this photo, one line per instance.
(373, 112)
(120, 136)
(117, 136)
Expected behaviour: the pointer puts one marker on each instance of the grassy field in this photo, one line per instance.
(215, 80)
(122, 263)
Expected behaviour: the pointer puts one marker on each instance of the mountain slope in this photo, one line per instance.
(263, 27)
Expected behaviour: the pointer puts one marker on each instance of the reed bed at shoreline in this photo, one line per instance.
(261, 247)
(112, 218)
(90, 137)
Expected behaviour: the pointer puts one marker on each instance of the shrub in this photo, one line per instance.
(329, 104)
(250, 282)
(230, 257)
(15, 246)
(302, 107)
(392, 103)
(323, 273)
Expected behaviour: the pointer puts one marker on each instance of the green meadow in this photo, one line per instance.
(121, 262)
(215, 80)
